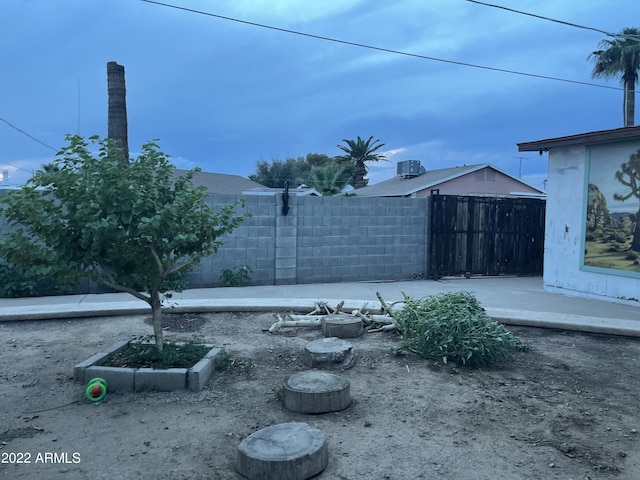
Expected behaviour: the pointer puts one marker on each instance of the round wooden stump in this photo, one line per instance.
(287, 451)
(342, 326)
(329, 353)
(315, 391)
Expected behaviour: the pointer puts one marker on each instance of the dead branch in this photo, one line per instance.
(321, 310)
(283, 323)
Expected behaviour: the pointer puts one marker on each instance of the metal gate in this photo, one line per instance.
(486, 236)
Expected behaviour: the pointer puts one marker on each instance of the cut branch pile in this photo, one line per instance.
(372, 322)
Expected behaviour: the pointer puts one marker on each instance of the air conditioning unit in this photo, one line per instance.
(409, 168)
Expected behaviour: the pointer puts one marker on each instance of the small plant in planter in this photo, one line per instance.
(142, 353)
(130, 224)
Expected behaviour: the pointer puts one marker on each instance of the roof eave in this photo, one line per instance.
(589, 138)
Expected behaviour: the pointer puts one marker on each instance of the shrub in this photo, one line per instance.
(453, 327)
(144, 354)
(240, 278)
(16, 282)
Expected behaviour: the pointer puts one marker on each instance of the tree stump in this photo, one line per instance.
(329, 353)
(315, 391)
(287, 451)
(342, 326)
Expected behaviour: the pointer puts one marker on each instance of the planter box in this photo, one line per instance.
(139, 379)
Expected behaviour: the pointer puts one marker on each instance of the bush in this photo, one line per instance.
(453, 327)
(16, 282)
(240, 278)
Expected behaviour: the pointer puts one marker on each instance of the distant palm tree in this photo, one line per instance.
(50, 167)
(328, 180)
(620, 56)
(357, 152)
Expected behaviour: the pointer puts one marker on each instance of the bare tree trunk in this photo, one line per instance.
(156, 309)
(117, 112)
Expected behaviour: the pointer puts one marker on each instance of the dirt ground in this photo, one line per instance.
(567, 409)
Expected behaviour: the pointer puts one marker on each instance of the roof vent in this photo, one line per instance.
(409, 169)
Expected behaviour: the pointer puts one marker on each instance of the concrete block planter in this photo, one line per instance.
(139, 379)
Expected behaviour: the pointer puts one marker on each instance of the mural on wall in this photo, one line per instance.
(612, 226)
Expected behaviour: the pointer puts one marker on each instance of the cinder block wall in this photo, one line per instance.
(322, 239)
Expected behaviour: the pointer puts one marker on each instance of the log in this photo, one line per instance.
(287, 451)
(329, 353)
(315, 391)
(342, 326)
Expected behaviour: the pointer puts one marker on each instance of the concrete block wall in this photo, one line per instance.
(352, 239)
(252, 244)
(321, 239)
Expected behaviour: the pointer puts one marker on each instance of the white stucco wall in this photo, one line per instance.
(566, 190)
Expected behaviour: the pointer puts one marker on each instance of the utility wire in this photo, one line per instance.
(25, 133)
(381, 49)
(604, 32)
(16, 167)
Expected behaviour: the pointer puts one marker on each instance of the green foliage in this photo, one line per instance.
(357, 153)
(34, 281)
(141, 354)
(274, 174)
(241, 277)
(620, 57)
(453, 327)
(328, 180)
(129, 225)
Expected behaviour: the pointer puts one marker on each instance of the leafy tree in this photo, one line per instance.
(130, 225)
(274, 174)
(629, 176)
(357, 153)
(620, 56)
(328, 180)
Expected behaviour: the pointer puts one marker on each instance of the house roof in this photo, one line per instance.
(221, 182)
(401, 187)
(589, 138)
(300, 192)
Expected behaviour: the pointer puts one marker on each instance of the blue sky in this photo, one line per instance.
(223, 95)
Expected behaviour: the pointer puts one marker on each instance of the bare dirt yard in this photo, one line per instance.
(569, 408)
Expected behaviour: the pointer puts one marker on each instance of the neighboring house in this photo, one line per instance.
(222, 182)
(298, 192)
(593, 214)
(412, 180)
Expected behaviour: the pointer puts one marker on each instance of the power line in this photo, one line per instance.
(381, 49)
(562, 22)
(25, 133)
(16, 167)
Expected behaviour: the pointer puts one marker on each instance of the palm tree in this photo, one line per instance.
(357, 152)
(620, 56)
(50, 167)
(329, 179)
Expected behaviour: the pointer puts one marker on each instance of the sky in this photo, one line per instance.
(222, 95)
